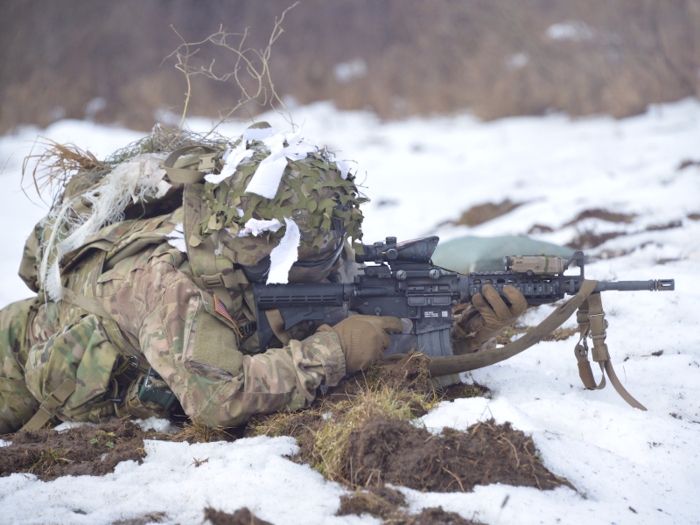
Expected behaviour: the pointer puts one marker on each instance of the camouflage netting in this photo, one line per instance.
(165, 140)
(312, 192)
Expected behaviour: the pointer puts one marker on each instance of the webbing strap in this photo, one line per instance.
(581, 351)
(48, 407)
(185, 170)
(439, 366)
(277, 324)
(592, 321)
(86, 303)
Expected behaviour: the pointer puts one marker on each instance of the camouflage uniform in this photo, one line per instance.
(159, 314)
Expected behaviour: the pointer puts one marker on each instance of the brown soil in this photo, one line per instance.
(539, 228)
(694, 216)
(240, 517)
(87, 450)
(431, 516)
(590, 239)
(667, 226)
(151, 517)
(408, 375)
(79, 451)
(688, 163)
(483, 213)
(385, 503)
(603, 215)
(397, 452)
(465, 390)
(377, 501)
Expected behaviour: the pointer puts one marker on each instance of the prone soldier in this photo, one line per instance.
(142, 304)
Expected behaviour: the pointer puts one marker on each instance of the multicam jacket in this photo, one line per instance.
(202, 345)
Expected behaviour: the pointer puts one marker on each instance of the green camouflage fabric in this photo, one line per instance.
(17, 404)
(310, 193)
(155, 311)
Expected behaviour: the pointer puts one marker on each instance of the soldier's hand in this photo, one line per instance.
(494, 310)
(487, 315)
(364, 338)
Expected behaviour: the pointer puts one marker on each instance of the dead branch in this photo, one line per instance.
(250, 73)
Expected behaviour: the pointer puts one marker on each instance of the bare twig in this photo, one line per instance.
(250, 73)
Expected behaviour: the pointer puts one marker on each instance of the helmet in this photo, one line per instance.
(315, 191)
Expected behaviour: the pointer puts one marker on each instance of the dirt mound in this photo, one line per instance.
(407, 377)
(90, 450)
(398, 452)
(381, 502)
(145, 519)
(85, 450)
(432, 516)
(483, 213)
(603, 215)
(465, 390)
(385, 503)
(589, 239)
(240, 517)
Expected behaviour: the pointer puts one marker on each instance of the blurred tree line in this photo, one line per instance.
(104, 60)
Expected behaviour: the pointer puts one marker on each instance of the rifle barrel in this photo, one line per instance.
(631, 286)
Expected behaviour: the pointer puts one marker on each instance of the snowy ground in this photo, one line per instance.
(629, 466)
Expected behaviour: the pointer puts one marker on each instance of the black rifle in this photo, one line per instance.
(404, 283)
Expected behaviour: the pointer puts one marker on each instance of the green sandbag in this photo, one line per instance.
(485, 254)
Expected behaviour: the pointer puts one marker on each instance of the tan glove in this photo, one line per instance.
(487, 315)
(364, 338)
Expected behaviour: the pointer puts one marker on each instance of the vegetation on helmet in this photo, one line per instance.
(314, 192)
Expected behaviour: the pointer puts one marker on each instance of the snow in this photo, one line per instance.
(629, 466)
(570, 30)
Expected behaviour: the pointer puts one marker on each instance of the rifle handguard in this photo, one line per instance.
(439, 366)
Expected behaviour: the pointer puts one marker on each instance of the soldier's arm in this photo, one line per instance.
(197, 355)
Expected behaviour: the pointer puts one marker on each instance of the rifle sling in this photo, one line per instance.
(592, 321)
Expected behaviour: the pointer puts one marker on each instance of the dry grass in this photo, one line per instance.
(325, 429)
(196, 432)
(398, 390)
(58, 163)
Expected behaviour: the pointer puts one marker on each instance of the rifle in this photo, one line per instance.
(402, 282)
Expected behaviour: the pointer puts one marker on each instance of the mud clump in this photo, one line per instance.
(362, 434)
(483, 213)
(91, 450)
(240, 517)
(86, 450)
(465, 390)
(687, 163)
(661, 227)
(540, 228)
(397, 452)
(603, 215)
(433, 516)
(381, 502)
(386, 503)
(151, 517)
(590, 239)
